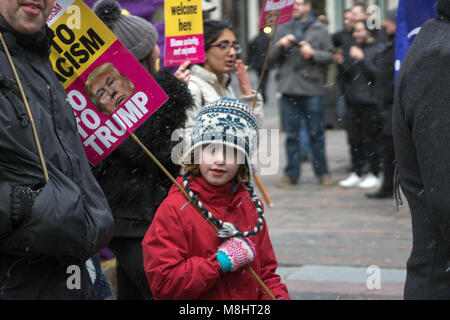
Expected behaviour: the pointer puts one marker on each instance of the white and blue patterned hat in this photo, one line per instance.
(226, 121)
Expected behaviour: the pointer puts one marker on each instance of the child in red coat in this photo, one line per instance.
(184, 257)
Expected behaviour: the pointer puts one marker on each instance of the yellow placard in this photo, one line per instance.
(183, 17)
(80, 38)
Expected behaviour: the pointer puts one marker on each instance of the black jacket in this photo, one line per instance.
(421, 123)
(257, 50)
(133, 184)
(344, 39)
(361, 90)
(44, 227)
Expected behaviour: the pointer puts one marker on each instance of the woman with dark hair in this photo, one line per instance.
(211, 80)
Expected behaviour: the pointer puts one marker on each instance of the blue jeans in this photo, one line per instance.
(311, 108)
(304, 139)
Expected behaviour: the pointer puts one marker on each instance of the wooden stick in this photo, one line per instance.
(261, 283)
(27, 107)
(186, 195)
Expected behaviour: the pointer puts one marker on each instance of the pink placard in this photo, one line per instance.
(179, 49)
(276, 12)
(118, 80)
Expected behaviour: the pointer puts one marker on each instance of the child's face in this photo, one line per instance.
(219, 164)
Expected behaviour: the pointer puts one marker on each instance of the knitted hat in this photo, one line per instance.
(226, 121)
(137, 34)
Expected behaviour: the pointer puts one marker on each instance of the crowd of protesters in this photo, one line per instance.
(366, 59)
(364, 56)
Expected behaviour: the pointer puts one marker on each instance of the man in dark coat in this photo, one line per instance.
(47, 229)
(385, 79)
(362, 119)
(256, 53)
(421, 128)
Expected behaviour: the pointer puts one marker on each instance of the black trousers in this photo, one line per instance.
(387, 153)
(363, 129)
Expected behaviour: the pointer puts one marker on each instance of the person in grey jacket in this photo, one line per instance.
(303, 49)
(48, 229)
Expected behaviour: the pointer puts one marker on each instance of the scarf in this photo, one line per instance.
(300, 26)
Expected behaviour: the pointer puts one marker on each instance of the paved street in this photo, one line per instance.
(325, 238)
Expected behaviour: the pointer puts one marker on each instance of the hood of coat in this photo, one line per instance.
(444, 8)
(222, 196)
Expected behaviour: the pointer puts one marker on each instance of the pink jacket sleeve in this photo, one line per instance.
(171, 274)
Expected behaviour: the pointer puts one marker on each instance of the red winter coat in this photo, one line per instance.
(180, 248)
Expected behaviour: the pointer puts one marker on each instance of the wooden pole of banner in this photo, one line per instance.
(27, 107)
(262, 189)
(261, 77)
(186, 195)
